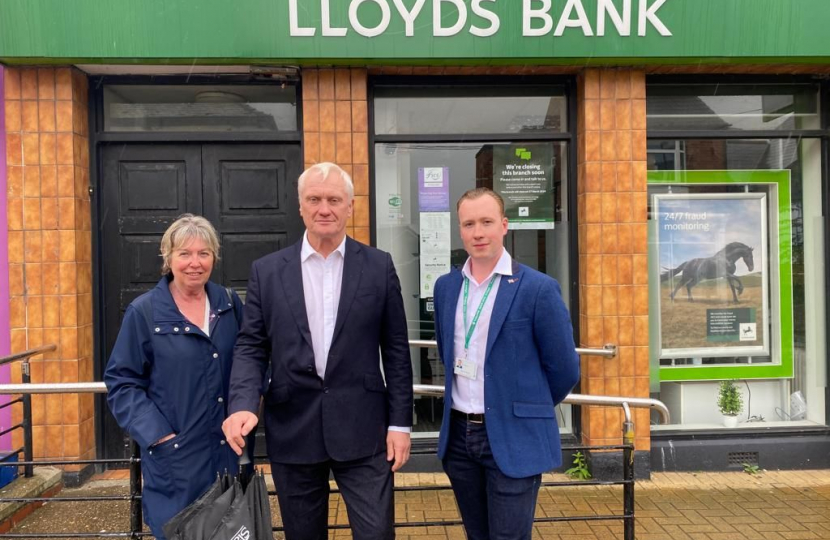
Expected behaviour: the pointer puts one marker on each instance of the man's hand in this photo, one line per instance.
(397, 448)
(237, 426)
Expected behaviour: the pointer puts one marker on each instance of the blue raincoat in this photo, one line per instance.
(166, 376)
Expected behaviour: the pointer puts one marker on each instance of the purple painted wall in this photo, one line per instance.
(5, 334)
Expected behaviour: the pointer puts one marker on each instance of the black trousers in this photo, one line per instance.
(366, 487)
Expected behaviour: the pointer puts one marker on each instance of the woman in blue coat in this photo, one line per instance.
(168, 373)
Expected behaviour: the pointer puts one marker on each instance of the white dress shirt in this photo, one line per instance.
(322, 279)
(468, 394)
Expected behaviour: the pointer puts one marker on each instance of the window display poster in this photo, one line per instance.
(713, 274)
(523, 176)
(434, 189)
(435, 249)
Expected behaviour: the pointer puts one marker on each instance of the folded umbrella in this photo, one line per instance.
(237, 523)
(239, 511)
(257, 494)
(173, 529)
(202, 525)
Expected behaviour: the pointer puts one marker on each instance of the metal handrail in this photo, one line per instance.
(433, 390)
(54, 388)
(28, 354)
(430, 390)
(26, 400)
(609, 350)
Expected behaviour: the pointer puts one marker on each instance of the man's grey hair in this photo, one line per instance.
(324, 170)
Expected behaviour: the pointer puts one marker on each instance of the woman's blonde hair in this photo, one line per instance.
(184, 230)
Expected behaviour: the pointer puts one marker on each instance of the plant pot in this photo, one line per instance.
(730, 421)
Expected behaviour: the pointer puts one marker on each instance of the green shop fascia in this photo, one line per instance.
(581, 32)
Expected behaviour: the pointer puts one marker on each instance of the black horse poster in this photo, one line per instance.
(713, 274)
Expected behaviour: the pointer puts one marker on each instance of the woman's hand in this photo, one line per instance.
(164, 439)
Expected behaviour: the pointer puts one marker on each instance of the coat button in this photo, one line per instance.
(175, 328)
(310, 369)
(187, 329)
(216, 355)
(222, 442)
(158, 329)
(220, 400)
(176, 445)
(325, 390)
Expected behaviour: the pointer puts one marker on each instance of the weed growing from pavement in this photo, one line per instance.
(579, 471)
(751, 469)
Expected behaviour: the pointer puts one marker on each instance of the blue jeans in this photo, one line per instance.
(493, 506)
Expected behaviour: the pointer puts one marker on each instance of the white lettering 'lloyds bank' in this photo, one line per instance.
(479, 18)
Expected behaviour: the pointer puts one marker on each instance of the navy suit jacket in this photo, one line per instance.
(530, 365)
(345, 415)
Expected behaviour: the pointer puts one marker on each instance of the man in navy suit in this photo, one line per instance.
(505, 335)
(325, 313)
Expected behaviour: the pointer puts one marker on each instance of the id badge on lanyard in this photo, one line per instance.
(464, 366)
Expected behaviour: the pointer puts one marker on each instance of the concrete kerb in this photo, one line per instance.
(46, 482)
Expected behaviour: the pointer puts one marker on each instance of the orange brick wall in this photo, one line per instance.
(336, 129)
(50, 249)
(613, 261)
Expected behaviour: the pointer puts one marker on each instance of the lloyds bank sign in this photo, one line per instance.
(426, 32)
(480, 18)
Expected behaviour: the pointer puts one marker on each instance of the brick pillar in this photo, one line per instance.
(336, 129)
(50, 249)
(613, 262)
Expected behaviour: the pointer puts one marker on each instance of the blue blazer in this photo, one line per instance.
(531, 365)
(345, 415)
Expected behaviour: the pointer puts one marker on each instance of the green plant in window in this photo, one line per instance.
(730, 401)
(579, 471)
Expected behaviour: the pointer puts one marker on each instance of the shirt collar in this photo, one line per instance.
(504, 267)
(307, 251)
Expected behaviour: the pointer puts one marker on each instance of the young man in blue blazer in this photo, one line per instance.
(505, 337)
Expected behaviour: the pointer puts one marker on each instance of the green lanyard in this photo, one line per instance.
(472, 328)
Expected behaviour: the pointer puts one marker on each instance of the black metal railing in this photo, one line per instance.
(26, 400)
(27, 389)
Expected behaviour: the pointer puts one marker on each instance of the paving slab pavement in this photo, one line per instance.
(775, 505)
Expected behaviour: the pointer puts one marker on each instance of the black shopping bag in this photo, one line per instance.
(240, 512)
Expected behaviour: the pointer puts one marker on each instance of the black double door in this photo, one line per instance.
(247, 191)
